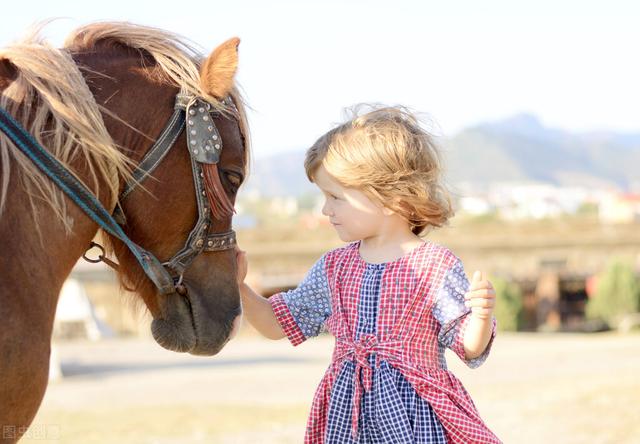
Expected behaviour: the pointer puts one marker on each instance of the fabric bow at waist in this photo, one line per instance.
(359, 351)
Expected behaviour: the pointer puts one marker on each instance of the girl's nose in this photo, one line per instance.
(326, 210)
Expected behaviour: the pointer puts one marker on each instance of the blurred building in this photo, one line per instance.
(620, 208)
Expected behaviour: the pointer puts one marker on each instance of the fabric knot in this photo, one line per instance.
(359, 351)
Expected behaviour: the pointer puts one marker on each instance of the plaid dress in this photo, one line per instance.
(388, 380)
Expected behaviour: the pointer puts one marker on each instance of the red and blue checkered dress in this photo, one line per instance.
(388, 379)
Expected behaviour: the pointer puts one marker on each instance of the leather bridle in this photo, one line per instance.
(205, 146)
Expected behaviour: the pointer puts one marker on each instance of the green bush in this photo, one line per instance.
(508, 309)
(617, 293)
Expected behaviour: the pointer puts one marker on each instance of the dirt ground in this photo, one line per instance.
(535, 388)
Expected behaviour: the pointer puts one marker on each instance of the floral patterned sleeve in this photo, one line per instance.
(453, 315)
(302, 311)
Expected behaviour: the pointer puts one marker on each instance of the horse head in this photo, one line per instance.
(135, 74)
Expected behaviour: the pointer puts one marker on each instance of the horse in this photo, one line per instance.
(98, 105)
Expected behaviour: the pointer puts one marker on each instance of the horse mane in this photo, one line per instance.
(51, 99)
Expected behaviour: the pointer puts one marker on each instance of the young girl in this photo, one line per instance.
(392, 300)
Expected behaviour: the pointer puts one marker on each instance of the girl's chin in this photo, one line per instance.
(345, 238)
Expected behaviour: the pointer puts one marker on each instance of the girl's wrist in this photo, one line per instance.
(482, 317)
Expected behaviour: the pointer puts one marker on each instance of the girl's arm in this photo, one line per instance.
(481, 299)
(256, 308)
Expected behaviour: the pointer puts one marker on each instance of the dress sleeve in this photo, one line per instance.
(302, 311)
(453, 315)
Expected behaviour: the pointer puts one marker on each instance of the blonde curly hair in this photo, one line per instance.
(386, 154)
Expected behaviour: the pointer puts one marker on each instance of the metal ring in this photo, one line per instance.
(100, 256)
(181, 289)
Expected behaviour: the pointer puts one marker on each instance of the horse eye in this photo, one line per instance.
(234, 179)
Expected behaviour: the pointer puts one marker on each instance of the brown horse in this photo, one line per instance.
(97, 105)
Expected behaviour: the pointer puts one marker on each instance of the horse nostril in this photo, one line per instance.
(181, 290)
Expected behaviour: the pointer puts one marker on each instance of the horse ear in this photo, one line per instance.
(216, 74)
(8, 73)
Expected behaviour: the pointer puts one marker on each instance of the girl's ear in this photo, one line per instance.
(216, 74)
(8, 73)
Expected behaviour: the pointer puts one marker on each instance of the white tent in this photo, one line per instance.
(74, 307)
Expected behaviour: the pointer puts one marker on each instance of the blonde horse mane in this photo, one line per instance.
(51, 99)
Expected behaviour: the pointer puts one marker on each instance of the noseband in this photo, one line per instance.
(204, 145)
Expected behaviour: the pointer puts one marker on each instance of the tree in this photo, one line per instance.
(508, 311)
(617, 293)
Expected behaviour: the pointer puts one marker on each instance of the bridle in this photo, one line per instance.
(204, 145)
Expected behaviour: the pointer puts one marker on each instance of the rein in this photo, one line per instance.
(204, 145)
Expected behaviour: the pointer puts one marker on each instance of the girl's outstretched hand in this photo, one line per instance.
(242, 265)
(481, 297)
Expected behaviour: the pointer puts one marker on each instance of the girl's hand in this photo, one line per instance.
(481, 297)
(242, 265)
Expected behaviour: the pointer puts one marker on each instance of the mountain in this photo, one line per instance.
(520, 148)
(516, 149)
(280, 174)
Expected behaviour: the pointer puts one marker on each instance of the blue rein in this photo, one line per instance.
(83, 197)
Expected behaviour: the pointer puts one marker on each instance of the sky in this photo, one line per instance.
(573, 64)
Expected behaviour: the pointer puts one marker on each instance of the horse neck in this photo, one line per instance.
(35, 265)
(36, 262)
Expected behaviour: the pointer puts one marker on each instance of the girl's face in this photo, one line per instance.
(351, 212)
